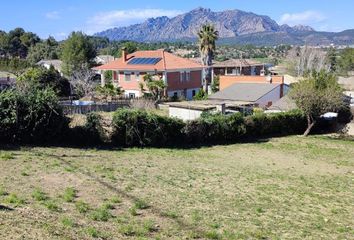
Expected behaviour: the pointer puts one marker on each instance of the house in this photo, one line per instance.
(238, 67)
(57, 64)
(182, 77)
(103, 59)
(260, 94)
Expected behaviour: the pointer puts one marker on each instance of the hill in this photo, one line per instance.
(234, 26)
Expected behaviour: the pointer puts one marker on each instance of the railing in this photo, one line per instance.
(84, 109)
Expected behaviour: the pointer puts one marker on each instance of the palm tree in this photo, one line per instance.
(207, 38)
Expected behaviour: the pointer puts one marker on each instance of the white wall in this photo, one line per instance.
(184, 113)
(127, 92)
(272, 96)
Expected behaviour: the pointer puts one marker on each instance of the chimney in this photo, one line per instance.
(124, 55)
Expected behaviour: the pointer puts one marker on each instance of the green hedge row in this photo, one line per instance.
(140, 128)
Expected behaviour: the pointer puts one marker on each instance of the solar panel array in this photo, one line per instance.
(144, 61)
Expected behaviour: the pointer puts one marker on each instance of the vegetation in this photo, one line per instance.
(77, 52)
(47, 49)
(286, 188)
(316, 95)
(155, 85)
(207, 43)
(30, 115)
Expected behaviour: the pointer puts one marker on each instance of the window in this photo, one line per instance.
(131, 95)
(188, 76)
(137, 76)
(115, 76)
(193, 93)
(127, 76)
(175, 94)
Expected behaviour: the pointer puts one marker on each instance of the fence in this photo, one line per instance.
(84, 109)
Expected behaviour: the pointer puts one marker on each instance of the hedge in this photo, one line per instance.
(134, 127)
(140, 128)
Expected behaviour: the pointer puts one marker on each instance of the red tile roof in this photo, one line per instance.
(168, 62)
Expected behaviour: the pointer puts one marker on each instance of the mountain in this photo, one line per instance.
(234, 26)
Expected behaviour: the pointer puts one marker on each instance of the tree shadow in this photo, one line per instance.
(5, 208)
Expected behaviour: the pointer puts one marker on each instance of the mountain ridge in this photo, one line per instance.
(234, 26)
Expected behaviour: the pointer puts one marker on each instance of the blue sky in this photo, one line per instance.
(59, 17)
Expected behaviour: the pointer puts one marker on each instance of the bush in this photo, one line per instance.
(261, 124)
(139, 128)
(32, 115)
(215, 127)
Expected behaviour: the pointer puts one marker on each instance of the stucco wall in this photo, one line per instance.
(184, 114)
(174, 81)
(227, 81)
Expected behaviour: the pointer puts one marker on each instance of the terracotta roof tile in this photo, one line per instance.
(168, 62)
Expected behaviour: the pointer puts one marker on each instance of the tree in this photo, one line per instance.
(43, 78)
(207, 44)
(77, 52)
(346, 60)
(317, 94)
(332, 59)
(83, 82)
(306, 59)
(48, 49)
(155, 85)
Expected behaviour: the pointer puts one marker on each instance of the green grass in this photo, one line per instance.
(69, 194)
(39, 195)
(82, 206)
(281, 188)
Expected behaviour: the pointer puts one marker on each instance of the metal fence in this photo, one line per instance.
(84, 109)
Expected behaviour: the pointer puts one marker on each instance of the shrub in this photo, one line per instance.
(52, 206)
(215, 127)
(261, 124)
(31, 115)
(139, 128)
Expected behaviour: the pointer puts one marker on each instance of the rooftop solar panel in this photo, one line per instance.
(144, 61)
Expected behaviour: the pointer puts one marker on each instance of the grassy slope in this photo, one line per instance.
(286, 188)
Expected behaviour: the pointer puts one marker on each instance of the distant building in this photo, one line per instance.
(238, 67)
(182, 77)
(57, 64)
(104, 59)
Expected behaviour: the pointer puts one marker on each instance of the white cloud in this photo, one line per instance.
(106, 20)
(53, 15)
(304, 18)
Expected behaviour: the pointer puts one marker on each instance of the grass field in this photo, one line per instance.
(282, 188)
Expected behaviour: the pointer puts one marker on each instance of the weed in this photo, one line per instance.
(212, 235)
(93, 232)
(82, 206)
(39, 195)
(101, 214)
(67, 222)
(69, 194)
(52, 206)
(6, 156)
(133, 211)
(149, 226)
(15, 200)
(140, 204)
(2, 191)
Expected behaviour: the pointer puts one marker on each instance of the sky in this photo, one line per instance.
(60, 17)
